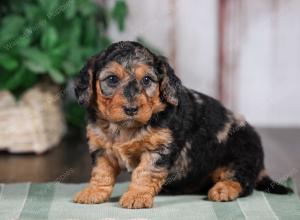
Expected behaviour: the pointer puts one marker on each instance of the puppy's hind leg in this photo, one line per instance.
(226, 187)
(246, 160)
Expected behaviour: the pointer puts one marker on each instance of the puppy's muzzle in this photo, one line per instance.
(131, 111)
(131, 90)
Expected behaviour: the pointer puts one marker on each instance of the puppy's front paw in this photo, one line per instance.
(136, 200)
(224, 191)
(91, 195)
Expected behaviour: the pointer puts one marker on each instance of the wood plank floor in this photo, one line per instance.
(70, 161)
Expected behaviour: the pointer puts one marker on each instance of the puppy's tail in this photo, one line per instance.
(266, 184)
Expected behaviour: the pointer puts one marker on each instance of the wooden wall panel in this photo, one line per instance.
(197, 44)
(152, 20)
(261, 51)
(184, 30)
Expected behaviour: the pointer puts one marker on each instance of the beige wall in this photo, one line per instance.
(262, 51)
(264, 55)
(185, 31)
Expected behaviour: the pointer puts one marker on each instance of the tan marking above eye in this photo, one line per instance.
(113, 68)
(143, 70)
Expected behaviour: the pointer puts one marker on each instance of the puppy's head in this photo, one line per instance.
(127, 84)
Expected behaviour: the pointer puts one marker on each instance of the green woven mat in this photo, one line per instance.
(53, 201)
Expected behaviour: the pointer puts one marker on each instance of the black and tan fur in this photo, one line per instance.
(172, 139)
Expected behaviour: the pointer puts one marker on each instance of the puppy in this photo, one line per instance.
(173, 139)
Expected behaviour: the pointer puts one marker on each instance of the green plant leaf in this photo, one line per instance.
(59, 50)
(10, 28)
(104, 42)
(52, 38)
(37, 57)
(71, 9)
(31, 11)
(75, 114)
(58, 55)
(86, 8)
(14, 80)
(30, 80)
(50, 6)
(49, 38)
(75, 55)
(119, 13)
(34, 66)
(23, 41)
(90, 32)
(56, 76)
(76, 32)
(69, 68)
(4, 77)
(8, 63)
(103, 16)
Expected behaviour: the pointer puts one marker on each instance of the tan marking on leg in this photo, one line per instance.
(223, 191)
(146, 182)
(222, 173)
(101, 183)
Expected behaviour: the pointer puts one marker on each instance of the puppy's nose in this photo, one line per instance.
(131, 111)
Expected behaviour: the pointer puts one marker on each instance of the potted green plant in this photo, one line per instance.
(43, 44)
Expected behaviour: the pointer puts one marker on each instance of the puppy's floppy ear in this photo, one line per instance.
(170, 84)
(84, 83)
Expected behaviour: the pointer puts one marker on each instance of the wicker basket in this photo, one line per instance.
(33, 124)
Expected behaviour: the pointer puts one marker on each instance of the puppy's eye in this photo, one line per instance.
(146, 81)
(112, 81)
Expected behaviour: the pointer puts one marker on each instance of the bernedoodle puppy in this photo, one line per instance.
(173, 139)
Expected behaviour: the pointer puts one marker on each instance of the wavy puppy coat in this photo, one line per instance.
(173, 139)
